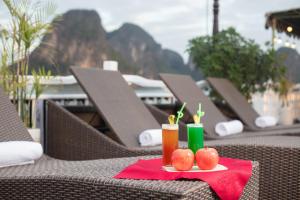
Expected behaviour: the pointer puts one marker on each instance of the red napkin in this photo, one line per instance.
(227, 184)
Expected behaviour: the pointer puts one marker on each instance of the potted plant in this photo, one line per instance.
(27, 24)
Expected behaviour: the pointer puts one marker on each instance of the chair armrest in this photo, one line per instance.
(70, 138)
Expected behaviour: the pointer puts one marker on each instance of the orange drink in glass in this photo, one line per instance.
(169, 142)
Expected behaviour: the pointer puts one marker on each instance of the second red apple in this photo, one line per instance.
(207, 158)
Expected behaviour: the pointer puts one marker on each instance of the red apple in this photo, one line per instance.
(183, 159)
(207, 158)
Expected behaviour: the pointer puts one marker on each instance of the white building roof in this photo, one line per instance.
(67, 87)
(131, 79)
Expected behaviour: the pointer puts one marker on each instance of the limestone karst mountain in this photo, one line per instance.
(78, 38)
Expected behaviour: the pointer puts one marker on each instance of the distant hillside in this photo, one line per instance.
(292, 62)
(142, 51)
(79, 39)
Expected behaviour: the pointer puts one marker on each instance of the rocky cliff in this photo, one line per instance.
(144, 53)
(78, 38)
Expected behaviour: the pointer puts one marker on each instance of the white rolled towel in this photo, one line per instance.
(19, 153)
(151, 137)
(229, 128)
(265, 121)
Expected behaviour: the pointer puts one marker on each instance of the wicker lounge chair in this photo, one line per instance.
(278, 156)
(238, 103)
(185, 90)
(50, 178)
(122, 110)
(119, 106)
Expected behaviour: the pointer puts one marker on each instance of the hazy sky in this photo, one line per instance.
(173, 22)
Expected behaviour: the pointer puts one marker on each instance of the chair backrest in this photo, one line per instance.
(11, 126)
(185, 89)
(236, 101)
(121, 109)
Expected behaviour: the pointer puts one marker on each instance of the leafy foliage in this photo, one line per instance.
(38, 76)
(27, 24)
(229, 55)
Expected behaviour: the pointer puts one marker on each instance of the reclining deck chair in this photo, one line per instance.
(124, 113)
(238, 103)
(186, 90)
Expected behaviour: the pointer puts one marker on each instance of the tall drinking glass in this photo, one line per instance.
(169, 142)
(195, 136)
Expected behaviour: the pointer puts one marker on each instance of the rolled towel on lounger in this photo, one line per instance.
(229, 128)
(19, 153)
(265, 121)
(151, 137)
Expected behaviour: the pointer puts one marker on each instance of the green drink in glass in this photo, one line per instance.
(195, 137)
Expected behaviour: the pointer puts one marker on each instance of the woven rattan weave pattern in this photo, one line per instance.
(56, 179)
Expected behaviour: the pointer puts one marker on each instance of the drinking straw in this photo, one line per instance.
(180, 113)
(200, 113)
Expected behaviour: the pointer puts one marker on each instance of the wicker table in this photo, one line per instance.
(57, 179)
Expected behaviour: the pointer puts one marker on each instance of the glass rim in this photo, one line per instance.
(194, 125)
(170, 126)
